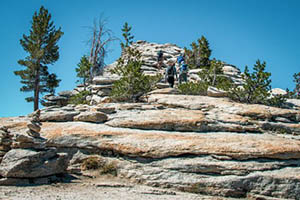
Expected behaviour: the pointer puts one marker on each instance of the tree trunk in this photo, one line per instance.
(37, 89)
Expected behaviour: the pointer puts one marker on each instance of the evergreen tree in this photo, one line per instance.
(296, 91)
(199, 55)
(41, 44)
(256, 87)
(213, 75)
(83, 69)
(133, 83)
(204, 53)
(127, 36)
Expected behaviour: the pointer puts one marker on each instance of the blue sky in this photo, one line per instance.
(239, 33)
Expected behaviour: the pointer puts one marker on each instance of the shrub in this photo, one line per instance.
(98, 163)
(191, 88)
(93, 162)
(133, 83)
(109, 168)
(80, 98)
(256, 89)
(212, 75)
(277, 100)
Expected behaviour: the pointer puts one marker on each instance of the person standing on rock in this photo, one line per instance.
(160, 59)
(183, 71)
(180, 59)
(171, 73)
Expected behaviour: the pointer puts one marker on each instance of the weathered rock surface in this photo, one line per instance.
(196, 144)
(28, 163)
(58, 116)
(96, 117)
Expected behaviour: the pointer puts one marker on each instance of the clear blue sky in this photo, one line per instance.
(239, 32)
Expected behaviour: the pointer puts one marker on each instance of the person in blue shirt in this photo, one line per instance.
(183, 71)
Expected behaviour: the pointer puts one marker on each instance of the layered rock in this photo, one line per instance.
(34, 126)
(5, 141)
(101, 85)
(25, 159)
(191, 143)
(30, 163)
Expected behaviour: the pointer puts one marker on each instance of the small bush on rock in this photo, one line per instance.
(109, 168)
(80, 98)
(92, 163)
(212, 75)
(191, 88)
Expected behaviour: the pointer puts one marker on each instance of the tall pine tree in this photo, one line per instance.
(41, 45)
(127, 36)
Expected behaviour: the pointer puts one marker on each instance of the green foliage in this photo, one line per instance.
(277, 100)
(83, 69)
(296, 92)
(213, 75)
(191, 88)
(256, 89)
(98, 163)
(297, 87)
(127, 36)
(80, 98)
(133, 83)
(41, 45)
(199, 55)
(51, 83)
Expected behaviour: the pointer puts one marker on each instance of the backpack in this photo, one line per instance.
(183, 68)
(159, 54)
(170, 71)
(180, 59)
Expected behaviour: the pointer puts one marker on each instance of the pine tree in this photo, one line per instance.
(204, 52)
(297, 87)
(41, 45)
(83, 69)
(213, 75)
(133, 83)
(257, 85)
(199, 55)
(127, 36)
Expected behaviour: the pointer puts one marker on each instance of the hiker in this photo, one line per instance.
(180, 59)
(183, 70)
(160, 59)
(171, 73)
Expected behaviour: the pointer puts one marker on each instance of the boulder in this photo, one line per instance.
(215, 92)
(97, 117)
(278, 91)
(34, 127)
(66, 93)
(95, 99)
(58, 116)
(29, 163)
(162, 85)
(100, 80)
(231, 70)
(165, 91)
